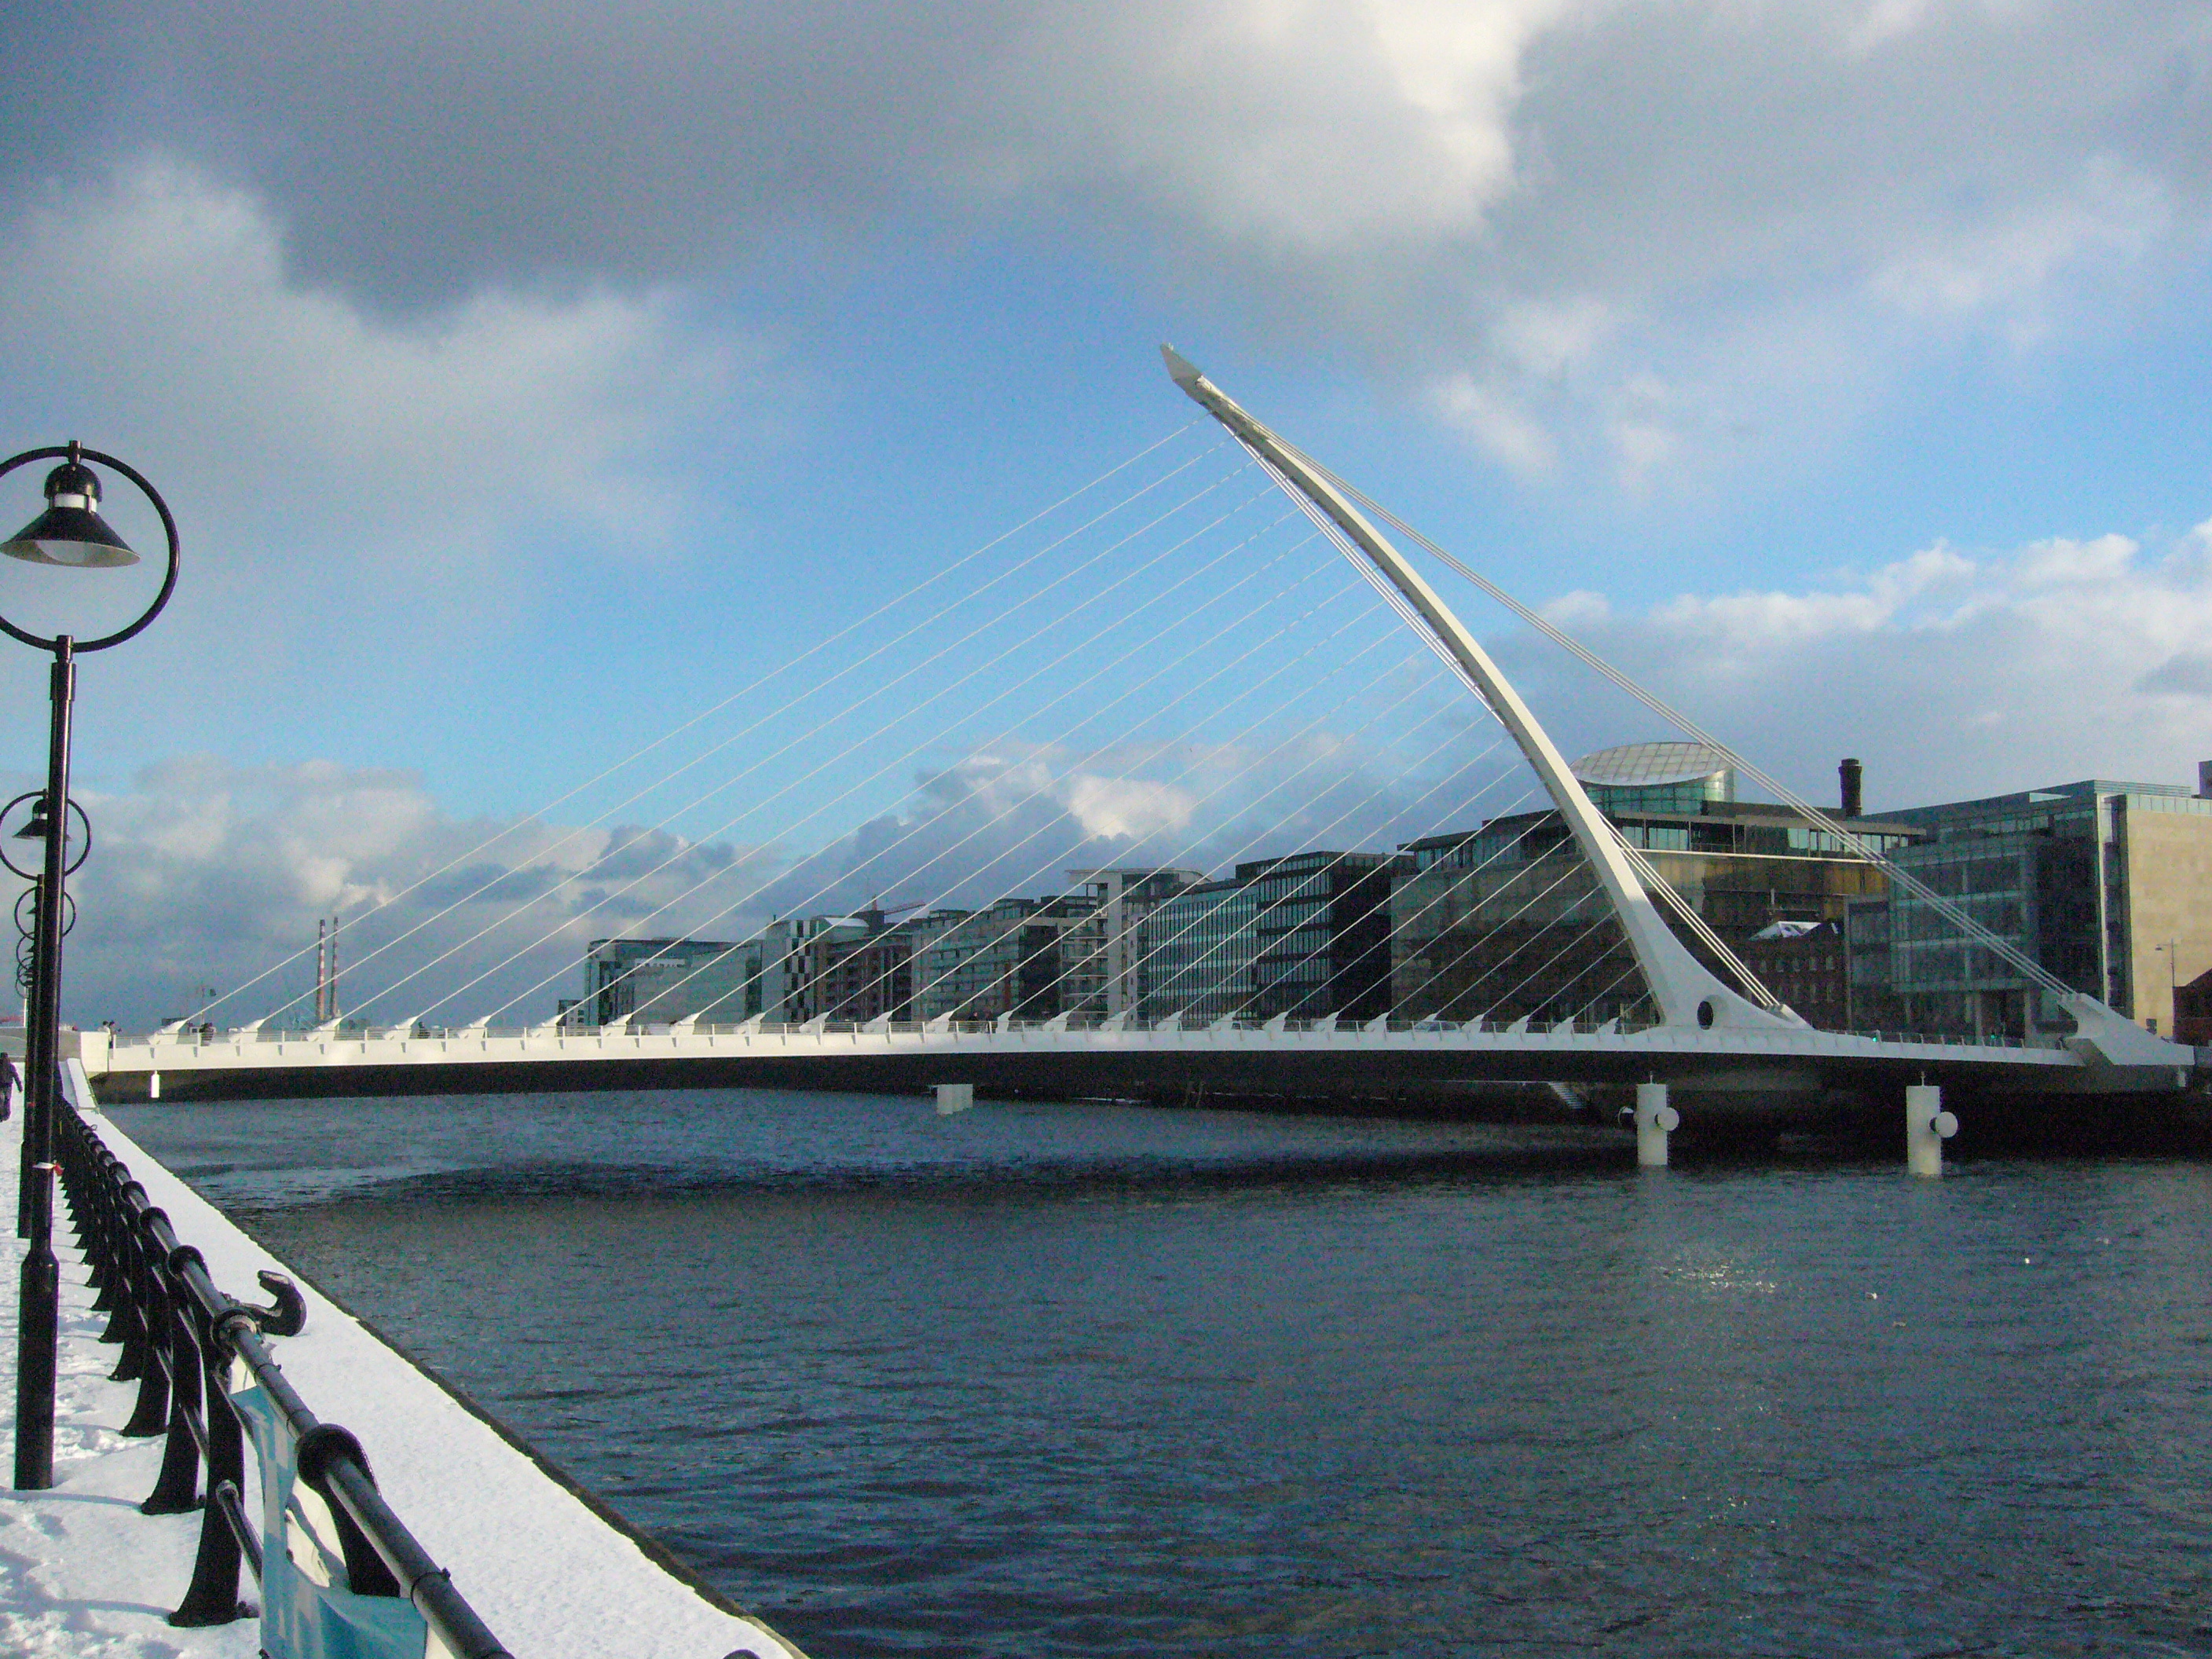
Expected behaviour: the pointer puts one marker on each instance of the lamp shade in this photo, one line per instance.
(40, 825)
(70, 532)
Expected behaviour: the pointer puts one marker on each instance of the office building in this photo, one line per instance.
(1508, 921)
(655, 981)
(1302, 936)
(1806, 965)
(1110, 942)
(1013, 957)
(2107, 885)
(859, 969)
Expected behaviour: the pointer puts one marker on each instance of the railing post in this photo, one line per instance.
(120, 1292)
(212, 1597)
(141, 1303)
(140, 1360)
(317, 1451)
(177, 1491)
(145, 1340)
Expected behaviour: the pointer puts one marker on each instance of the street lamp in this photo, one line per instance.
(69, 534)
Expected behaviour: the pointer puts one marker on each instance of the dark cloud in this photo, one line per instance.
(485, 883)
(1599, 236)
(418, 151)
(1511, 150)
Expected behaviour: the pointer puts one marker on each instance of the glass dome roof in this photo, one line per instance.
(1646, 765)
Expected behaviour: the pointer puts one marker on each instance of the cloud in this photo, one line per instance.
(1499, 427)
(1951, 675)
(2060, 562)
(2184, 674)
(373, 501)
(1286, 127)
(430, 148)
(1539, 211)
(2108, 218)
(357, 463)
(208, 873)
(1758, 623)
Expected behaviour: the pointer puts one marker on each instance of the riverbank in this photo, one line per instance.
(83, 1573)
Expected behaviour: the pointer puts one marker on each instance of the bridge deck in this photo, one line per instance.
(1350, 1060)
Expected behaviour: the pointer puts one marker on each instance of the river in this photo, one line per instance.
(1043, 1380)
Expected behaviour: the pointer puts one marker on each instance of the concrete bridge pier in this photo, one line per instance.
(954, 1097)
(1655, 1121)
(1927, 1127)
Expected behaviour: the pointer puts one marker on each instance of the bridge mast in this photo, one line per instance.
(1686, 993)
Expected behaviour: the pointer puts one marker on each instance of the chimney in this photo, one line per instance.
(1851, 773)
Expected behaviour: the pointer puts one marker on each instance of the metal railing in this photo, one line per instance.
(1538, 1024)
(1346, 1024)
(180, 1335)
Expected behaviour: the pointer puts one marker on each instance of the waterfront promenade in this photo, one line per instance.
(83, 1572)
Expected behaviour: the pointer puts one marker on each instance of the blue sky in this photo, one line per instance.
(523, 380)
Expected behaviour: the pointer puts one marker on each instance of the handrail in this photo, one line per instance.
(1583, 1023)
(180, 1333)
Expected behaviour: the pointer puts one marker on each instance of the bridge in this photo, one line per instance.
(1768, 1070)
(1666, 1007)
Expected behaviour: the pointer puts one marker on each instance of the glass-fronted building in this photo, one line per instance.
(1013, 957)
(1656, 777)
(1508, 919)
(656, 980)
(1303, 936)
(1108, 946)
(2107, 885)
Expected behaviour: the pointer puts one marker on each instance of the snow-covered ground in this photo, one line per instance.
(83, 1572)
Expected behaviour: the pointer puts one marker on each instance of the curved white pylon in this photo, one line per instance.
(1687, 993)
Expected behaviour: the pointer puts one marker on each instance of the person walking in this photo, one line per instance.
(7, 1081)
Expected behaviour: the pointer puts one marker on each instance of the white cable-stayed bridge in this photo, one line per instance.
(1176, 677)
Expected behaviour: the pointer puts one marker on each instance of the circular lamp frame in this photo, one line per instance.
(25, 927)
(42, 642)
(84, 847)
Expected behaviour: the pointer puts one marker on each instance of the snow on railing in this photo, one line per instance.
(384, 1594)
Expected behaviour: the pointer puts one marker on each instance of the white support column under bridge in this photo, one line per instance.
(1655, 1121)
(1927, 1127)
(1684, 991)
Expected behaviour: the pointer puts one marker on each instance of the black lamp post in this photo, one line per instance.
(69, 534)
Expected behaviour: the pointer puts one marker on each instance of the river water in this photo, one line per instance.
(1072, 1379)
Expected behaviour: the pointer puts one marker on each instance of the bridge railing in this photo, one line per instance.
(202, 1039)
(180, 1335)
(1962, 1040)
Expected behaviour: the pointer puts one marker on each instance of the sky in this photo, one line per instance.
(527, 379)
